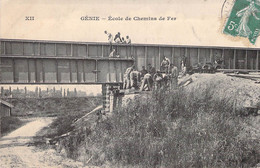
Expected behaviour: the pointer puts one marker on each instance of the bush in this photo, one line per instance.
(183, 128)
(8, 124)
(74, 109)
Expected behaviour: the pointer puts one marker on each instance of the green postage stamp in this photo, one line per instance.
(244, 20)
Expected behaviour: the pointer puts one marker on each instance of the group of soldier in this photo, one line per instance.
(150, 79)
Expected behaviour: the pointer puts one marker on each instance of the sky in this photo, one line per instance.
(198, 22)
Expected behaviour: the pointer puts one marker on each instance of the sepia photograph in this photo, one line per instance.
(131, 84)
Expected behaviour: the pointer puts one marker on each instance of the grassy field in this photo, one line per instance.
(198, 126)
(67, 112)
(176, 129)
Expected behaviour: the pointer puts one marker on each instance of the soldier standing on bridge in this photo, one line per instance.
(110, 40)
(126, 84)
(117, 38)
(128, 40)
(123, 40)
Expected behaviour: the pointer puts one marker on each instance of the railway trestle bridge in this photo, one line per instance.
(67, 62)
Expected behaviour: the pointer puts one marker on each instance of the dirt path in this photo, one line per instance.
(15, 151)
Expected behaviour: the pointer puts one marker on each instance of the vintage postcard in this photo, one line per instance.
(129, 83)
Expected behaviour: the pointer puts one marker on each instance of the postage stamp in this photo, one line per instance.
(244, 20)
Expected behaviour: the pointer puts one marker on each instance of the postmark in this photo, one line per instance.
(244, 20)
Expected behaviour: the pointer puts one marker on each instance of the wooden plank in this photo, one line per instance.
(33, 49)
(122, 74)
(35, 74)
(96, 72)
(84, 76)
(23, 48)
(39, 49)
(116, 72)
(43, 72)
(11, 49)
(68, 58)
(229, 63)
(132, 51)
(145, 57)
(211, 55)
(246, 59)
(235, 59)
(14, 74)
(159, 62)
(186, 56)
(236, 70)
(109, 75)
(172, 54)
(198, 55)
(4, 48)
(57, 71)
(53, 83)
(257, 60)
(55, 50)
(70, 71)
(0, 122)
(102, 52)
(134, 44)
(29, 72)
(77, 70)
(87, 50)
(245, 76)
(71, 50)
(223, 58)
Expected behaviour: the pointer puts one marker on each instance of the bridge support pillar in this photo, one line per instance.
(111, 97)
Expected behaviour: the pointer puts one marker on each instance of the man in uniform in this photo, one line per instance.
(158, 80)
(174, 73)
(126, 84)
(165, 64)
(183, 65)
(135, 78)
(151, 70)
(117, 38)
(128, 40)
(147, 82)
(110, 40)
(143, 71)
